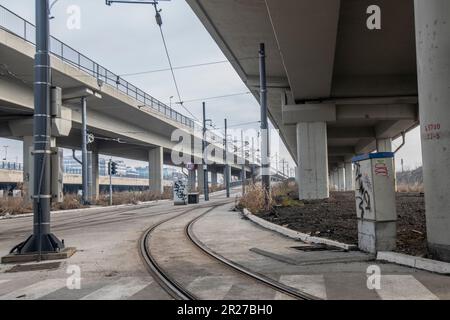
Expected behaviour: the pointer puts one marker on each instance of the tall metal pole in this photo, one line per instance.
(253, 160)
(42, 241)
(84, 164)
(265, 151)
(243, 175)
(227, 167)
(205, 166)
(110, 182)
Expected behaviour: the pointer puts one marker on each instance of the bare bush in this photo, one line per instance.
(410, 187)
(13, 206)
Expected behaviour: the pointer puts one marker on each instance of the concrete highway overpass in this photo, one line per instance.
(338, 87)
(126, 121)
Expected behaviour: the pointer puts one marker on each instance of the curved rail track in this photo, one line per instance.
(177, 290)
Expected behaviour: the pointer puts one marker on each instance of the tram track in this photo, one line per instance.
(176, 288)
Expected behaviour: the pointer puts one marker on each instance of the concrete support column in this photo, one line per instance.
(384, 145)
(27, 168)
(155, 164)
(192, 175)
(213, 178)
(433, 59)
(349, 176)
(336, 179)
(341, 177)
(313, 160)
(200, 179)
(95, 187)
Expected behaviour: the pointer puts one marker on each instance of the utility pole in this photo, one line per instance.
(243, 175)
(84, 152)
(253, 160)
(6, 153)
(227, 167)
(42, 239)
(204, 160)
(110, 181)
(276, 162)
(265, 151)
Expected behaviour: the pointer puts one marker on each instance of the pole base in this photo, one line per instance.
(49, 244)
(32, 257)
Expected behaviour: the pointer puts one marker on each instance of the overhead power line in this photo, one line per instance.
(159, 23)
(218, 97)
(204, 64)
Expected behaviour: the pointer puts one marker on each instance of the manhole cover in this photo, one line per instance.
(34, 267)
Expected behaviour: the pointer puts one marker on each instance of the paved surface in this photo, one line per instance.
(108, 255)
(111, 267)
(200, 274)
(325, 274)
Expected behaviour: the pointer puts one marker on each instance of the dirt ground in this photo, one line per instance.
(335, 219)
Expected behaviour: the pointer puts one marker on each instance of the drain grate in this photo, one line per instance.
(34, 267)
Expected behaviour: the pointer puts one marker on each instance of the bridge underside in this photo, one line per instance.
(338, 88)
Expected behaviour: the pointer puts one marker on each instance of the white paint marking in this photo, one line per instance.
(403, 287)
(35, 291)
(119, 290)
(4, 281)
(311, 284)
(211, 287)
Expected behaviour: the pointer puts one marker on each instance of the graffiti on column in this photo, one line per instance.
(363, 185)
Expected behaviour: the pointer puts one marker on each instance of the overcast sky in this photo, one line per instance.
(125, 39)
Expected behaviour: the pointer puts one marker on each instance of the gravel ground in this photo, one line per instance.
(335, 219)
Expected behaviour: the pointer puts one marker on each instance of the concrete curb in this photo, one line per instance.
(137, 206)
(414, 262)
(295, 234)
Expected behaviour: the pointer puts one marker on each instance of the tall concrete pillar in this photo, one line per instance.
(349, 176)
(95, 187)
(341, 177)
(433, 59)
(200, 179)
(213, 178)
(192, 175)
(313, 160)
(384, 145)
(27, 168)
(155, 164)
(225, 169)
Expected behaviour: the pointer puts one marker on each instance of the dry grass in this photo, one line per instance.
(13, 206)
(281, 194)
(70, 202)
(16, 206)
(416, 187)
(133, 197)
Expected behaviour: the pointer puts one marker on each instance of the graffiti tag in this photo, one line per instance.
(362, 193)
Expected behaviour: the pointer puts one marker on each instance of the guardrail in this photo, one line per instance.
(5, 165)
(27, 31)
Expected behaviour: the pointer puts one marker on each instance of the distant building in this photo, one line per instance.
(71, 166)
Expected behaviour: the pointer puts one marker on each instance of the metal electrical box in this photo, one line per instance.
(179, 192)
(375, 201)
(57, 174)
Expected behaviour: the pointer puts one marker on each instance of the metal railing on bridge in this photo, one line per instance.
(15, 24)
(5, 165)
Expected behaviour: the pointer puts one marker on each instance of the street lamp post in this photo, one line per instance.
(42, 240)
(265, 162)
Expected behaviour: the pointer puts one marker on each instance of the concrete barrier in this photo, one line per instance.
(296, 234)
(414, 262)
